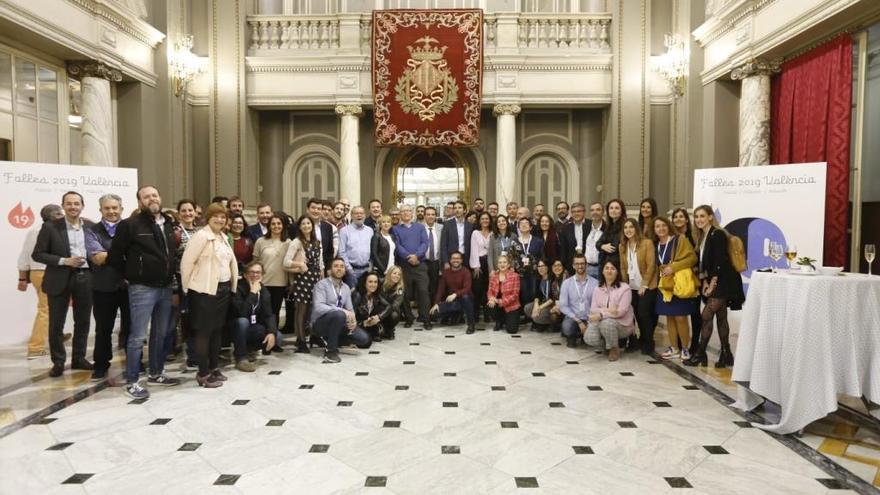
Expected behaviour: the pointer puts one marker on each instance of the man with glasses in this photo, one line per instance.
(332, 314)
(575, 297)
(253, 324)
(562, 217)
(411, 248)
(354, 246)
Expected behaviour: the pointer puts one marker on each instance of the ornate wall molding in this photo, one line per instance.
(755, 67)
(506, 109)
(91, 68)
(716, 27)
(125, 21)
(259, 68)
(343, 110)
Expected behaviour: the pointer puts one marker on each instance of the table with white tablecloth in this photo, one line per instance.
(805, 339)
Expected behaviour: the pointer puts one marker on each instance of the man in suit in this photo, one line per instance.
(61, 246)
(432, 257)
(456, 235)
(573, 236)
(259, 229)
(324, 231)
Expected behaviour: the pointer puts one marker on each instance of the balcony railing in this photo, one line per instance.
(350, 33)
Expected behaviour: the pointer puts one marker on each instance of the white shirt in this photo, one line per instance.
(224, 253)
(635, 276)
(578, 235)
(592, 252)
(459, 226)
(391, 247)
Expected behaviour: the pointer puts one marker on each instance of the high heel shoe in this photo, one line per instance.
(698, 359)
(725, 359)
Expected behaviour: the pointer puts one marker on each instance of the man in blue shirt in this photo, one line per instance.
(575, 297)
(333, 314)
(354, 246)
(411, 242)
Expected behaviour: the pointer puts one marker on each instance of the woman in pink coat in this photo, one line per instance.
(611, 313)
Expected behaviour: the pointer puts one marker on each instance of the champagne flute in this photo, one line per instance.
(791, 253)
(775, 253)
(870, 252)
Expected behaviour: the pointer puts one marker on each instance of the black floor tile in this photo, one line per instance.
(594, 388)
(449, 373)
(240, 402)
(413, 343)
(46, 421)
(275, 422)
(374, 352)
(319, 448)
(498, 388)
(344, 403)
(678, 483)
(626, 424)
(715, 449)
(662, 404)
(485, 343)
(401, 387)
(77, 479)
(449, 353)
(60, 446)
(652, 361)
(450, 404)
(832, 484)
(509, 424)
(491, 363)
(138, 401)
(582, 449)
(227, 479)
(361, 373)
(189, 447)
(555, 343)
(161, 421)
(516, 336)
(626, 373)
(572, 362)
(538, 373)
(743, 424)
(557, 404)
(449, 336)
(376, 481)
(690, 387)
(391, 424)
(526, 482)
(406, 363)
(306, 387)
(450, 449)
(525, 352)
(275, 372)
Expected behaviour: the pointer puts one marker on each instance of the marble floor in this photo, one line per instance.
(431, 412)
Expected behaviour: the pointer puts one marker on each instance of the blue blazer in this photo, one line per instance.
(449, 240)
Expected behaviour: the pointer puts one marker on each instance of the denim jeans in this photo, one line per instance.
(148, 305)
(332, 327)
(247, 336)
(462, 305)
(354, 275)
(593, 271)
(570, 328)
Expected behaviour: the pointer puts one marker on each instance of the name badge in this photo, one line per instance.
(583, 306)
(253, 319)
(503, 253)
(525, 260)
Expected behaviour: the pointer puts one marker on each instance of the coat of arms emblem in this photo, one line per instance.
(427, 87)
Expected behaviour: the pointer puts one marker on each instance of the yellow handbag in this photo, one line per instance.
(686, 284)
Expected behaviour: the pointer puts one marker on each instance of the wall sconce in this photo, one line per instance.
(184, 64)
(673, 64)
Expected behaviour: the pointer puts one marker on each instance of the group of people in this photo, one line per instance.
(348, 275)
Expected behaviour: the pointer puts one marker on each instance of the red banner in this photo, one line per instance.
(427, 76)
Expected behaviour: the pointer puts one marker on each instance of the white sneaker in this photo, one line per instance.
(685, 354)
(670, 354)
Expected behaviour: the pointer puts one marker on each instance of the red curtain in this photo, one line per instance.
(811, 104)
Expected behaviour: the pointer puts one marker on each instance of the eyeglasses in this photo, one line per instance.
(252, 272)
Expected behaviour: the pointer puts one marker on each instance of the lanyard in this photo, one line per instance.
(255, 306)
(338, 296)
(581, 293)
(526, 245)
(665, 249)
(545, 289)
(504, 242)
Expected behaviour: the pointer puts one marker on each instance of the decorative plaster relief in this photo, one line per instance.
(108, 37)
(348, 81)
(506, 81)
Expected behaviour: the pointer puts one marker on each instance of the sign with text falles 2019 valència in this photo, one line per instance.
(773, 203)
(24, 189)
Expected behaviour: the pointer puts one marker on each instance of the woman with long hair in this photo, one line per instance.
(547, 232)
(609, 242)
(647, 213)
(241, 243)
(557, 276)
(638, 268)
(526, 251)
(683, 226)
(303, 259)
(611, 312)
(674, 254)
(269, 250)
(183, 232)
(479, 261)
(721, 286)
(395, 294)
(209, 275)
(382, 247)
(503, 296)
(540, 310)
(370, 306)
(500, 242)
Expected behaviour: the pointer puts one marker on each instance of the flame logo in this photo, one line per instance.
(20, 218)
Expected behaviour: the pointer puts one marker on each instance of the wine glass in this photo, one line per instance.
(791, 253)
(775, 253)
(870, 252)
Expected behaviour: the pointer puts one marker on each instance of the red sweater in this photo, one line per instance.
(457, 281)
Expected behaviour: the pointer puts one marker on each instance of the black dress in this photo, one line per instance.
(304, 283)
(714, 261)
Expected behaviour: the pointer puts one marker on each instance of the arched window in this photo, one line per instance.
(545, 180)
(316, 176)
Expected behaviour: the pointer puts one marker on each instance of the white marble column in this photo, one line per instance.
(505, 154)
(96, 110)
(349, 153)
(754, 111)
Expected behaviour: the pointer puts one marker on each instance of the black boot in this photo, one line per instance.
(725, 359)
(571, 341)
(698, 358)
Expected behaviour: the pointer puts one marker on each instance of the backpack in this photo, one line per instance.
(737, 253)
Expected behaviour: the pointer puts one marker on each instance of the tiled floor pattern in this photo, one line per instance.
(432, 412)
